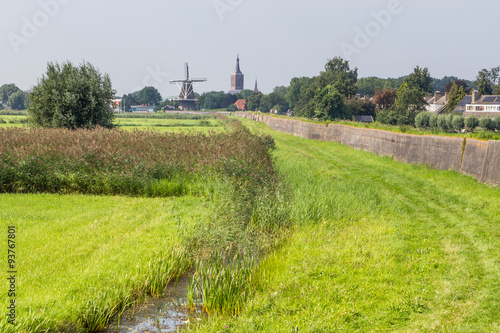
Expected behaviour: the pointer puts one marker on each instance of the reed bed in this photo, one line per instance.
(116, 162)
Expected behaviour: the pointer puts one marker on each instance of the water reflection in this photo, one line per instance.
(167, 314)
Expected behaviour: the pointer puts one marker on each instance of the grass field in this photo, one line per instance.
(160, 124)
(378, 246)
(13, 121)
(170, 125)
(75, 252)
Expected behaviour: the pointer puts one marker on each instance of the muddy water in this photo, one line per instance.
(167, 314)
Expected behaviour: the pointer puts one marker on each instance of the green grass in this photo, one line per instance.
(143, 123)
(13, 121)
(378, 246)
(166, 124)
(79, 255)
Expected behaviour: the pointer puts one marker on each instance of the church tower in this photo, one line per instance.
(237, 79)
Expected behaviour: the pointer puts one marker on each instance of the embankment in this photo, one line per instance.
(475, 158)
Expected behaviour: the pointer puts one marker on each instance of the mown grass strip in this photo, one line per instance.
(379, 246)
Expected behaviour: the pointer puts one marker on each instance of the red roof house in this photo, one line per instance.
(241, 104)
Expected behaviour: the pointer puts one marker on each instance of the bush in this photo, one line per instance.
(471, 123)
(422, 120)
(386, 116)
(458, 123)
(72, 97)
(433, 121)
(441, 122)
(496, 122)
(232, 107)
(487, 124)
(449, 121)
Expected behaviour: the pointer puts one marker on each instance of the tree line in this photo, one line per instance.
(79, 96)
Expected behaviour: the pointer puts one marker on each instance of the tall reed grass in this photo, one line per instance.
(115, 162)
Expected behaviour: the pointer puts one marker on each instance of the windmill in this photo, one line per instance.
(187, 100)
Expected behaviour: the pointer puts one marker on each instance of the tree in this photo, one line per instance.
(483, 82)
(7, 90)
(494, 74)
(420, 79)
(253, 102)
(149, 96)
(459, 83)
(370, 85)
(244, 94)
(456, 95)
(359, 106)
(487, 123)
(385, 98)
(471, 123)
(228, 100)
(295, 90)
(409, 102)
(458, 123)
(338, 74)
(72, 97)
(280, 90)
(18, 100)
(422, 120)
(270, 101)
(129, 100)
(329, 104)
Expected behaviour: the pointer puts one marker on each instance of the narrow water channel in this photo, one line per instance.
(166, 314)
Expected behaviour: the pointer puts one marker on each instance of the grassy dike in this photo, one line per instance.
(378, 245)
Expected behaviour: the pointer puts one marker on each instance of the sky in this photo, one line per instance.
(146, 43)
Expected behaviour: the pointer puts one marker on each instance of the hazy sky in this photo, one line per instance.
(146, 42)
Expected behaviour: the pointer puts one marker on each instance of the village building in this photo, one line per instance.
(142, 108)
(483, 105)
(241, 104)
(237, 79)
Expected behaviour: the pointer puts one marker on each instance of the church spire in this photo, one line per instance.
(256, 89)
(237, 70)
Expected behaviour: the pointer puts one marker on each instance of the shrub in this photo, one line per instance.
(433, 121)
(449, 121)
(441, 122)
(487, 123)
(458, 123)
(496, 122)
(422, 120)
(471, 123)
(386, 116)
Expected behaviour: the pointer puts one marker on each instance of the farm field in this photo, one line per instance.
(378, 245)
(183, 124)
(170, 125)
(13, 121)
